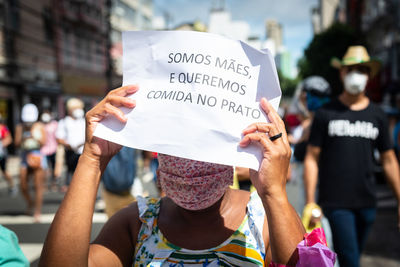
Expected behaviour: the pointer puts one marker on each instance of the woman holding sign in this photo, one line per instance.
(201, 222)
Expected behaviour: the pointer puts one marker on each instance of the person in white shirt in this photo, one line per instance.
(71, 134)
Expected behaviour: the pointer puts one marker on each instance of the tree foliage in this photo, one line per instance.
(288, 85)
(324, 46)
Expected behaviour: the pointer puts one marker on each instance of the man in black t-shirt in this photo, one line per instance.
(344, 135)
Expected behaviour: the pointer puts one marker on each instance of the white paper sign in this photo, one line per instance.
(198, 91)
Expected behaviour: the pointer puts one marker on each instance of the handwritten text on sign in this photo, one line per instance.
(197, 93)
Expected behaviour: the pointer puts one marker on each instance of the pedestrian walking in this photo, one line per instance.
(344, 135)
(30, 136)
(71, 134)
(312, 93)
(118, 179)
(5, 140)
(49, 148)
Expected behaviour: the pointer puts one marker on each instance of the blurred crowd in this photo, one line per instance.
(49, 149)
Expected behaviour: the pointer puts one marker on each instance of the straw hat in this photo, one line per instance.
(357, 55)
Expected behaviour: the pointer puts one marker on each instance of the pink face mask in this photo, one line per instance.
(193, 185)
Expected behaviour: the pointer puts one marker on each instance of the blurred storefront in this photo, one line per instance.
(51, 50)
(27, 60)
(82, 45)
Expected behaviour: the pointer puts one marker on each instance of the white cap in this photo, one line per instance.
(74, 103)
(29, 113)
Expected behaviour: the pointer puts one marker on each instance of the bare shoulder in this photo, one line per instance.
(118, 237)
(125, 220)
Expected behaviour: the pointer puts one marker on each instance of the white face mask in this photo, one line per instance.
(355, 82)
(78, 113)
(46, 117)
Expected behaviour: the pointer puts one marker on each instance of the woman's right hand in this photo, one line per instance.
(110, 106)
(272, 175)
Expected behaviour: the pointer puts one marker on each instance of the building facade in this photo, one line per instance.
(326, 13)
(82, 44)
(221, 22)
(126, 15)
(380, 23)
(274, 32)
(28, 65)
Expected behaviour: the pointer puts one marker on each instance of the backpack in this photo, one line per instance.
(121, 171)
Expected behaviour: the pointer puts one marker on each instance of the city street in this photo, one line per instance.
(382, 248)
(32, 235)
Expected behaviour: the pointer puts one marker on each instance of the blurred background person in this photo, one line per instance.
(314, 93)
(310, 95)
(150, 165)
(49, 149)
(340, 157)
(6, 140)
(30, 136)
(149, 173)
(71, 134)
(118, 179)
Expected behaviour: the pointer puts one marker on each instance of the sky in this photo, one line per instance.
(294, 15)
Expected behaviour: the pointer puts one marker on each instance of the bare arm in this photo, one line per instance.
(285, 227)
(63, 142)
(391, 169)
(40, 128)
(7, 140)
(18, 135)
(311, 172)
(67, 242)
(122, 228)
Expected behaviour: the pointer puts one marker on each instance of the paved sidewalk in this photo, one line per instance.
(382, 248)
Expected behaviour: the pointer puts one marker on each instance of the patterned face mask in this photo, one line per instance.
(193, 185)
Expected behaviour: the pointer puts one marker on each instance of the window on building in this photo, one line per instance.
(99, 55)
(14, 14)
(127, 12)
(47, 24)
(397, 62)
(67, 47)
(2, 14)
(89, 56)
(79, 50)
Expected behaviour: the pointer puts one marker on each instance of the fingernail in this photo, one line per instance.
(133, 87)
(264, 100)
(243, 143)
(248, 128)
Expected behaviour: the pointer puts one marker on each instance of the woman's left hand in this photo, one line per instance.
(272, 174)
(109, 106)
